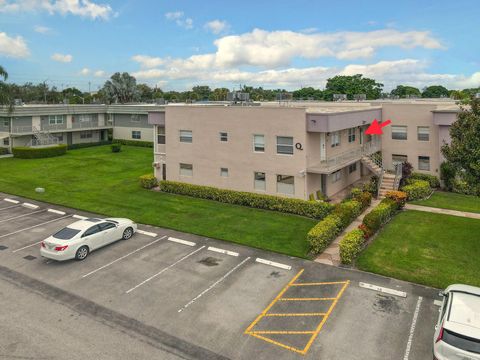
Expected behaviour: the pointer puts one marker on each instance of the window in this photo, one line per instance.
(86, 135)
(285, 184)
(224, 172)
(93, 230)
(259, 181)
(186, 136)
(462, 342)
(55, 119)
(335, 139)
(106, 226)
(66, 233)
(399, 132)
(160, 134)
(399, 159)
(351, 135)
(337, 175)
(6, 122)
(186, 169)
(352, 168)
(223, 136)
(136, 135)
(423, 133)
(6, 141)
(259, 143)
(285, 145)
(424, 163)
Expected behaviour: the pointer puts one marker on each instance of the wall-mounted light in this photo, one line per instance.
(313, 121)
(328, 134)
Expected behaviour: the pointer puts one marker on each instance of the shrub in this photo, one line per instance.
(40, 152)
(371, 186)
(134, 143)
(311, 197)
(383, 212)
(85, 145)
(3, 151)
(351, 245)
(417, 189)
(366, 231)
(148, 181)
(447, 174)
(312, 209)
(399, 197)
(347, 211)
(364, 198)
(321, 196)
(432, 179)
(407, 169)
(116, 147)
(322, 234)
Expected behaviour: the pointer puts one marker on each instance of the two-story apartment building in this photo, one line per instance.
(294, 150)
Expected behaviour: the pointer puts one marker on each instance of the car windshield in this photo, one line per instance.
(66, 233)
(461, 342)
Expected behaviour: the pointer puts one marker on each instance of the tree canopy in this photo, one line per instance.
(352, 85)
(404, 91)
(435, 91)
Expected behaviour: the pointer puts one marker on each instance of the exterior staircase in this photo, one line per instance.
(42, 138)
(387, 181)
(387, 184)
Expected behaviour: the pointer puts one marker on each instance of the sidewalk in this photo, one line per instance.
(331, 255)
(442, 211)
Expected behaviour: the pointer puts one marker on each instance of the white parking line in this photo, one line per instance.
(30, 206)
(272, 263)
(146, 233)
(9, 207)
(164, 269)
(412, 328)
(123, 257)
(213, 285)
(79, 217)
(34, 226)
(180, 241)
(383, 289)
(57, 211)
(20, 216)
(222, 251)
(11, 201)
(437, 302)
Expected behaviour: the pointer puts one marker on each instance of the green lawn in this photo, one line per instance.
(425, 248)
(97, 180)
(447, 200)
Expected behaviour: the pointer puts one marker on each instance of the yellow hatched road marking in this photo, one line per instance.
(296, 314)
(291, 348)
(281, 332)
(307, 299)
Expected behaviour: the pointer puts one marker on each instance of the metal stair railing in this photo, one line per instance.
(398, 175)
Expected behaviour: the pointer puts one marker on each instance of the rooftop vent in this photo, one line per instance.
(360, 97)
(339, 97)
(238, 96)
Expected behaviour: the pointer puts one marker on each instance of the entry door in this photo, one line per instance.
(323, 155)
(164, 171)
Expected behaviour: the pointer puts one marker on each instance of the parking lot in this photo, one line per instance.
(208, 299)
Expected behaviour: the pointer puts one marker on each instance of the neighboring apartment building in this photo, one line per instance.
(294, 150)
(37, 125)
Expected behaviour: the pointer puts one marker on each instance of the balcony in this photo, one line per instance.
(22, 130)
(334, 163)
(80, 125)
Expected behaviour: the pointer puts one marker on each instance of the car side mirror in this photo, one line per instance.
(441, 293)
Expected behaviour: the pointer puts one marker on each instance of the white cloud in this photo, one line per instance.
(83, 8)
(65, 58)
(146, 61)
(85, 71)
(13, 46)
(217, 26)
(180, 20)
(99, 73)
(42, 29)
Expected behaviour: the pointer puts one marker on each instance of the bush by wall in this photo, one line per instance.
(148, 181)
(347, 211)
(448, 173)
(86, 145)
(363, 197)
(322, 234)
(312, 209)
(40, 152)
(116, 147)
(134, 143)
(351, 245)
(3, 151)
(417, 189)
(432, 180)
(399, 197)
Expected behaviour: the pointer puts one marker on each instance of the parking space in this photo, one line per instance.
(218, 296)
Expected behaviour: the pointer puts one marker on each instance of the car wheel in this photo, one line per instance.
(82, 253)
(127, 234)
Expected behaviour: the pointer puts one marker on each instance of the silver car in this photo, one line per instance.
(457, 333)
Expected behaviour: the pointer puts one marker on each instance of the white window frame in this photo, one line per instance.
(423, 161)
(186, 136)
(85, 118)
(260, 185)
(352, 166)
(224, 172)
(336, 176)
(352, 134)
(423, 131)
(56, 119)
(186, 169)
(258, 145)
(161, 134)
(223, 136)
(335, 138)
(136, 132)
(6, 141)
(284, 188)
(86, 134)
(287, 148)
(395, 162)
(399, 129)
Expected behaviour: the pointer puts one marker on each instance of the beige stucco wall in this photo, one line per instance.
(125, 133)
(77, 140)
(208, 154)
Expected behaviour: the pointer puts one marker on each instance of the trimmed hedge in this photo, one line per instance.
(322, 234)
(116, 147)
(86, 145)
(399, 197)
(3, 151)
(312, 209)
(347, 211)
(40, 152)
(432, 179)
(148, 181)
(379, 216)
(417, 189)
(134, 143)
(351, 245)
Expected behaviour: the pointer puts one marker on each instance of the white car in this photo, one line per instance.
(77, 240)
(457, 333)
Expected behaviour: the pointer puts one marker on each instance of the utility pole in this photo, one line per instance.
(89, 87)
(45, 91)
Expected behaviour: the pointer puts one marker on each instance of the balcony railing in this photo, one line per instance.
(22, 129)
(53, 127)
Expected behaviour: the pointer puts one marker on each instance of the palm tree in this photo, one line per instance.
(3, 73)
(5, 98)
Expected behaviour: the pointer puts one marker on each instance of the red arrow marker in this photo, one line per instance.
(375, 128)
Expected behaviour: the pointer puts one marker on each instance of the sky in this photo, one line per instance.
(275, 44)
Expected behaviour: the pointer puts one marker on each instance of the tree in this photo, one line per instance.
(405, 91)
(145, 92)
(121, 88)
(308, 93)
(435, 91)
(463, 152)
(202, 92)
(5, 94)
(352, 85)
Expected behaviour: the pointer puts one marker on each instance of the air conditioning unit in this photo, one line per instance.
(156, 165)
